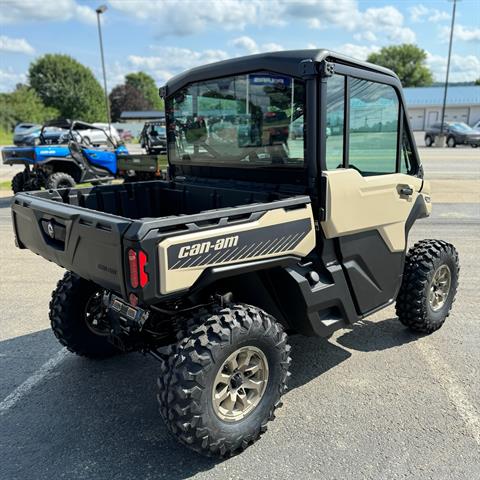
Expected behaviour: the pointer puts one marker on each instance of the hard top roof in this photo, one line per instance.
(285, 62)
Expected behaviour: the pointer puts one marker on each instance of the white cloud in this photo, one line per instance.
(193, 16)
(463, 68)
(250, 46)
(314, 23)
(47, 11)
(439, 16)
(15, 45)
(9, 78)
(357, 51)
(171, 60)
(420, 13)
(368, 35)
(245, 43)
(462, 33)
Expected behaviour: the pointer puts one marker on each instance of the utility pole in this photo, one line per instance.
(442, 136)
(102, 9)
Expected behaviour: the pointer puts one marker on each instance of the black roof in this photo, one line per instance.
(286, 62)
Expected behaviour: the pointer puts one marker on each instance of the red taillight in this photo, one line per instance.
(136, 264)
(142, 260)
(133, 267)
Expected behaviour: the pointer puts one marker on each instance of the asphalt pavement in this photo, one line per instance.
(374, 402)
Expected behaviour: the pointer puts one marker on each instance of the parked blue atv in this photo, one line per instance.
(63, 161)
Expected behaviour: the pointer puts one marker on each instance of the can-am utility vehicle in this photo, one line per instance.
(62, 157)
(253, 236)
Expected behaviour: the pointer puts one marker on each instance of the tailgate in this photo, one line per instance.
(15, 155)
(83, 241)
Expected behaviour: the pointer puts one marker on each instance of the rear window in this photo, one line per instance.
(245, 120)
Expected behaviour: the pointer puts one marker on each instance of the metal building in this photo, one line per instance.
(425, 105)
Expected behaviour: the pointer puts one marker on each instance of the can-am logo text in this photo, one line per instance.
(205, 247)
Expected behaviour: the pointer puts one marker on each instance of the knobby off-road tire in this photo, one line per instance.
(189, 372)
(429, 285)
(18, 183)
(59, 180)
(69, 321)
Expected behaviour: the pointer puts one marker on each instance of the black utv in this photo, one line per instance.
(253, 235)
(153, 137)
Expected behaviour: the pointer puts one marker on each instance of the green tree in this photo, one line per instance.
(67, 85)
(126, 97)
(407, 61)
(477, 81)
(23, 105)
(146, 85)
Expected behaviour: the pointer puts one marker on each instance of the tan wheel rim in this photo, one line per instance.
(439, 288)
(240, 384)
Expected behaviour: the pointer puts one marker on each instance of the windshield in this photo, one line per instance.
(245, 120)
(462, 127)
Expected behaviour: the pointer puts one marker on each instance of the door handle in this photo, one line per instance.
(406, 191)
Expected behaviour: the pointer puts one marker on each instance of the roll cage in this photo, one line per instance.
(76, 126)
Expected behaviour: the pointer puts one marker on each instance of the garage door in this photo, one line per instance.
(456, 114)
(417, 118)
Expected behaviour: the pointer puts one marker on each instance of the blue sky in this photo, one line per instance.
(164, 37)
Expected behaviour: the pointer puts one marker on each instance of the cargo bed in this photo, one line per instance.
(89, 230)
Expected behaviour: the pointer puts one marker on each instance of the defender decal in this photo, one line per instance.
(258, 242)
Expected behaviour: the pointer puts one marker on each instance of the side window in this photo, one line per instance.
(373, 127)
(335, 121)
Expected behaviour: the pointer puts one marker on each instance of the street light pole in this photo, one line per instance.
(101, 9)
(448, 70)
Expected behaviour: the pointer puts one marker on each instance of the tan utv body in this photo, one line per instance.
(293, 184)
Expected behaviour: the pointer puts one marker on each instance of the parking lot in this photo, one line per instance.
(373, 402)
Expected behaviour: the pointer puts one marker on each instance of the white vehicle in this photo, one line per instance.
(476, 126)
(96, 137)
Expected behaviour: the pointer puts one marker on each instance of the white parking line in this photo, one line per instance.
(455, 392)
(10, 401)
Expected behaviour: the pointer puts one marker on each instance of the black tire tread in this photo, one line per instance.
(55, 178)
(178, 387)
(411, 305)
(18, 182)
(63, 297)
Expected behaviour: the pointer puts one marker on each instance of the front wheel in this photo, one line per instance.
(77, 317)
(428, 141)
(429, 285)
(222, 382)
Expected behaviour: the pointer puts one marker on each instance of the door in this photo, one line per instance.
(102, 158)
(432, 118)
(370, 195)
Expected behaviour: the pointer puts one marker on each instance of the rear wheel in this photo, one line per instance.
(428, 141)
(222, 383)
(77, 317)
(59, 180)
(18, 182)
(429, 285)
